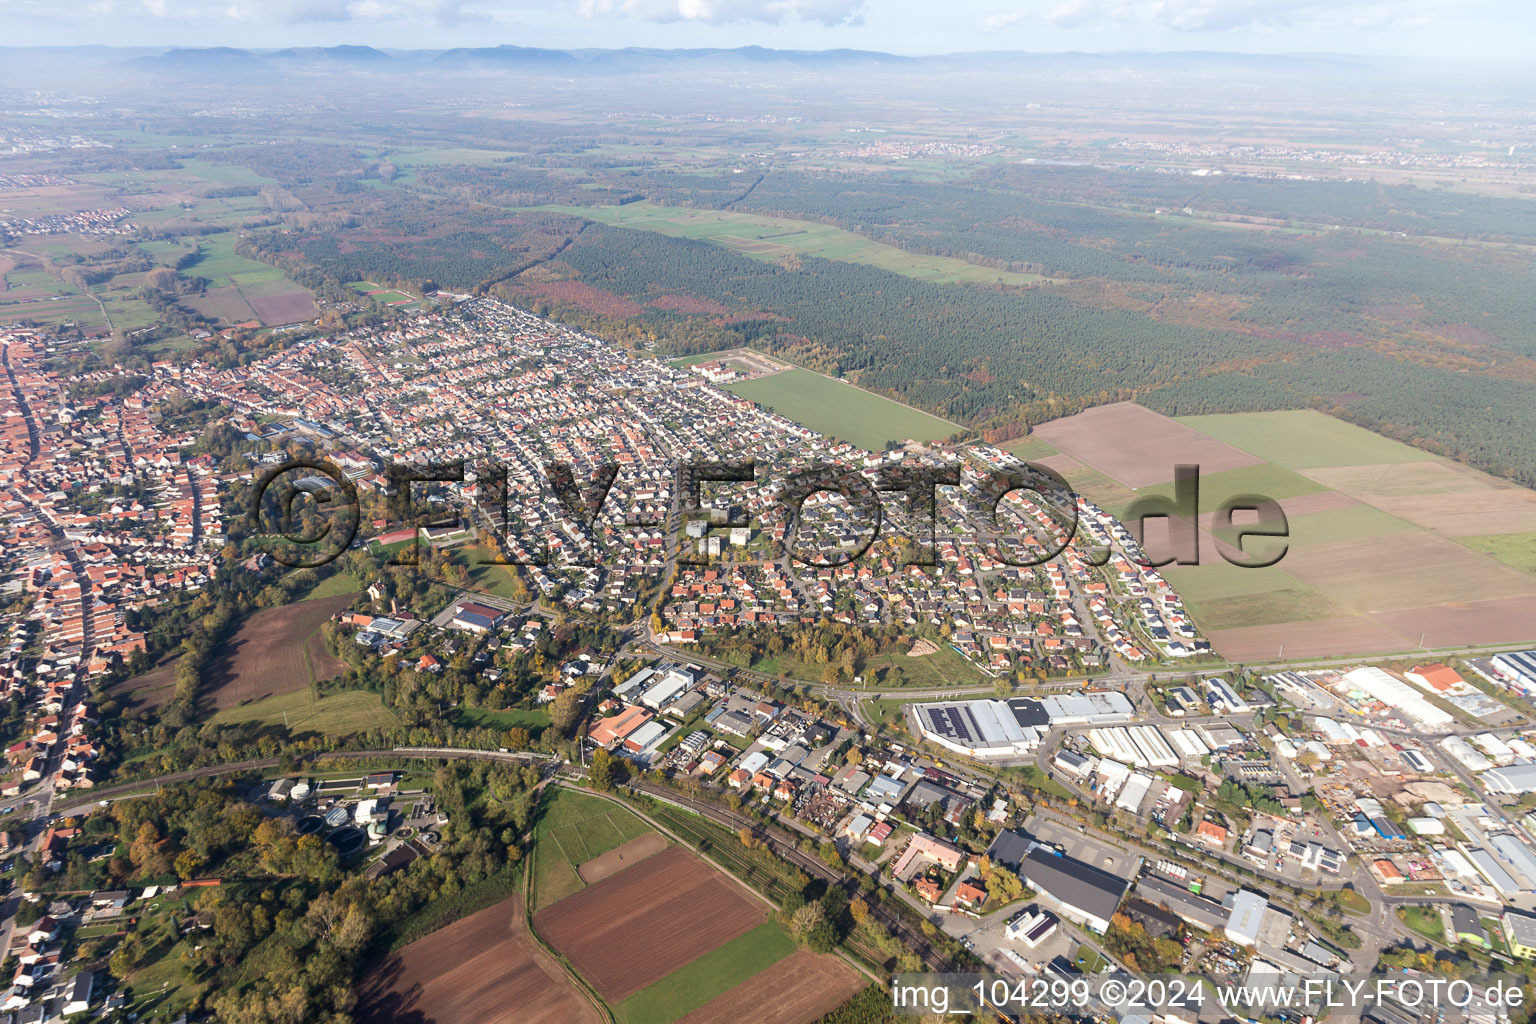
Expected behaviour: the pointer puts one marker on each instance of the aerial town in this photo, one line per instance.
(1086, 787)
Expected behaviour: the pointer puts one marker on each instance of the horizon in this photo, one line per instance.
(1483, 32)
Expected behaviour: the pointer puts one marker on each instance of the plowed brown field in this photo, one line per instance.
(484, 968)
(802, 987)
(648, 920)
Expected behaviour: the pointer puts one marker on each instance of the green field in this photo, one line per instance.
(533, 721)
(1275, 603)
(1304, 439)
(335, 585)
(1516, 549)
(574, 829)
(338, 714)
(1027, 448)
(841, 410)
(1427, 921)
(771, 238)
(1216, 488)
(218, 262)
(688, 988)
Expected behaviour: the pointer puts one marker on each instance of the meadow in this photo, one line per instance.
(841, 410)
(336, 714)
(770, 238)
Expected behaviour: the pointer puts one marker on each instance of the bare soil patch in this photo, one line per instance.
(801, 988)
(1446, 497)
(1137, 446)
(642, 924)
(1508, 620)
(1319, 638)
(288, 304)
(277, 650)
(620, 857)
(484, 968)
(1405, 570)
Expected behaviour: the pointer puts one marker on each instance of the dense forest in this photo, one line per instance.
(1400, 308)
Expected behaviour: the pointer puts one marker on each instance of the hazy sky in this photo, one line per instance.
(1469, 30)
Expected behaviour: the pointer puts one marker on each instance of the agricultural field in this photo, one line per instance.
(277, 650)
(242, 290)
(1137, 447)
(577, 830)
(710, 977)
(841, 410)
(772, 238)
(802, 987)
(650, 912)
(1390, 548)
(483, 968)
(301, 711)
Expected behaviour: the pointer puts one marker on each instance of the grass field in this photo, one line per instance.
(1427, 921)
(533, 721)
(690, 987)
(841, 410)
(1027, 448)
(770, 238)
(337, 714)
(1216, 488)
(1304, 439)
(1516, 549)
(218, 262)
(335, 585)
(574, 829)
(944, 667)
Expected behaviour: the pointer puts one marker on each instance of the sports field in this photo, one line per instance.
(770, 238)
(841, 410)
(1388, 547)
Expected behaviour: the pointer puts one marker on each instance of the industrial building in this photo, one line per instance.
(976, 728)
(1081, 892)
(1011, 728)
(1517, 669)
(1247, 918)
(1396, 694)
(1512, 780)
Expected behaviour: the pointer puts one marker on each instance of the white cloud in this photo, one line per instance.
(721, 12)
(156, 7)
(1216, 15)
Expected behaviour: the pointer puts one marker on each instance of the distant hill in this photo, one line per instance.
(640, 60)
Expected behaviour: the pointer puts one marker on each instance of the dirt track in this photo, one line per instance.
(647, 921)
(484, 968)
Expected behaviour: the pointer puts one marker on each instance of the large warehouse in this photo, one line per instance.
(1081, 892)
(1395, 693)
(976, 728)
(1011, 728)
